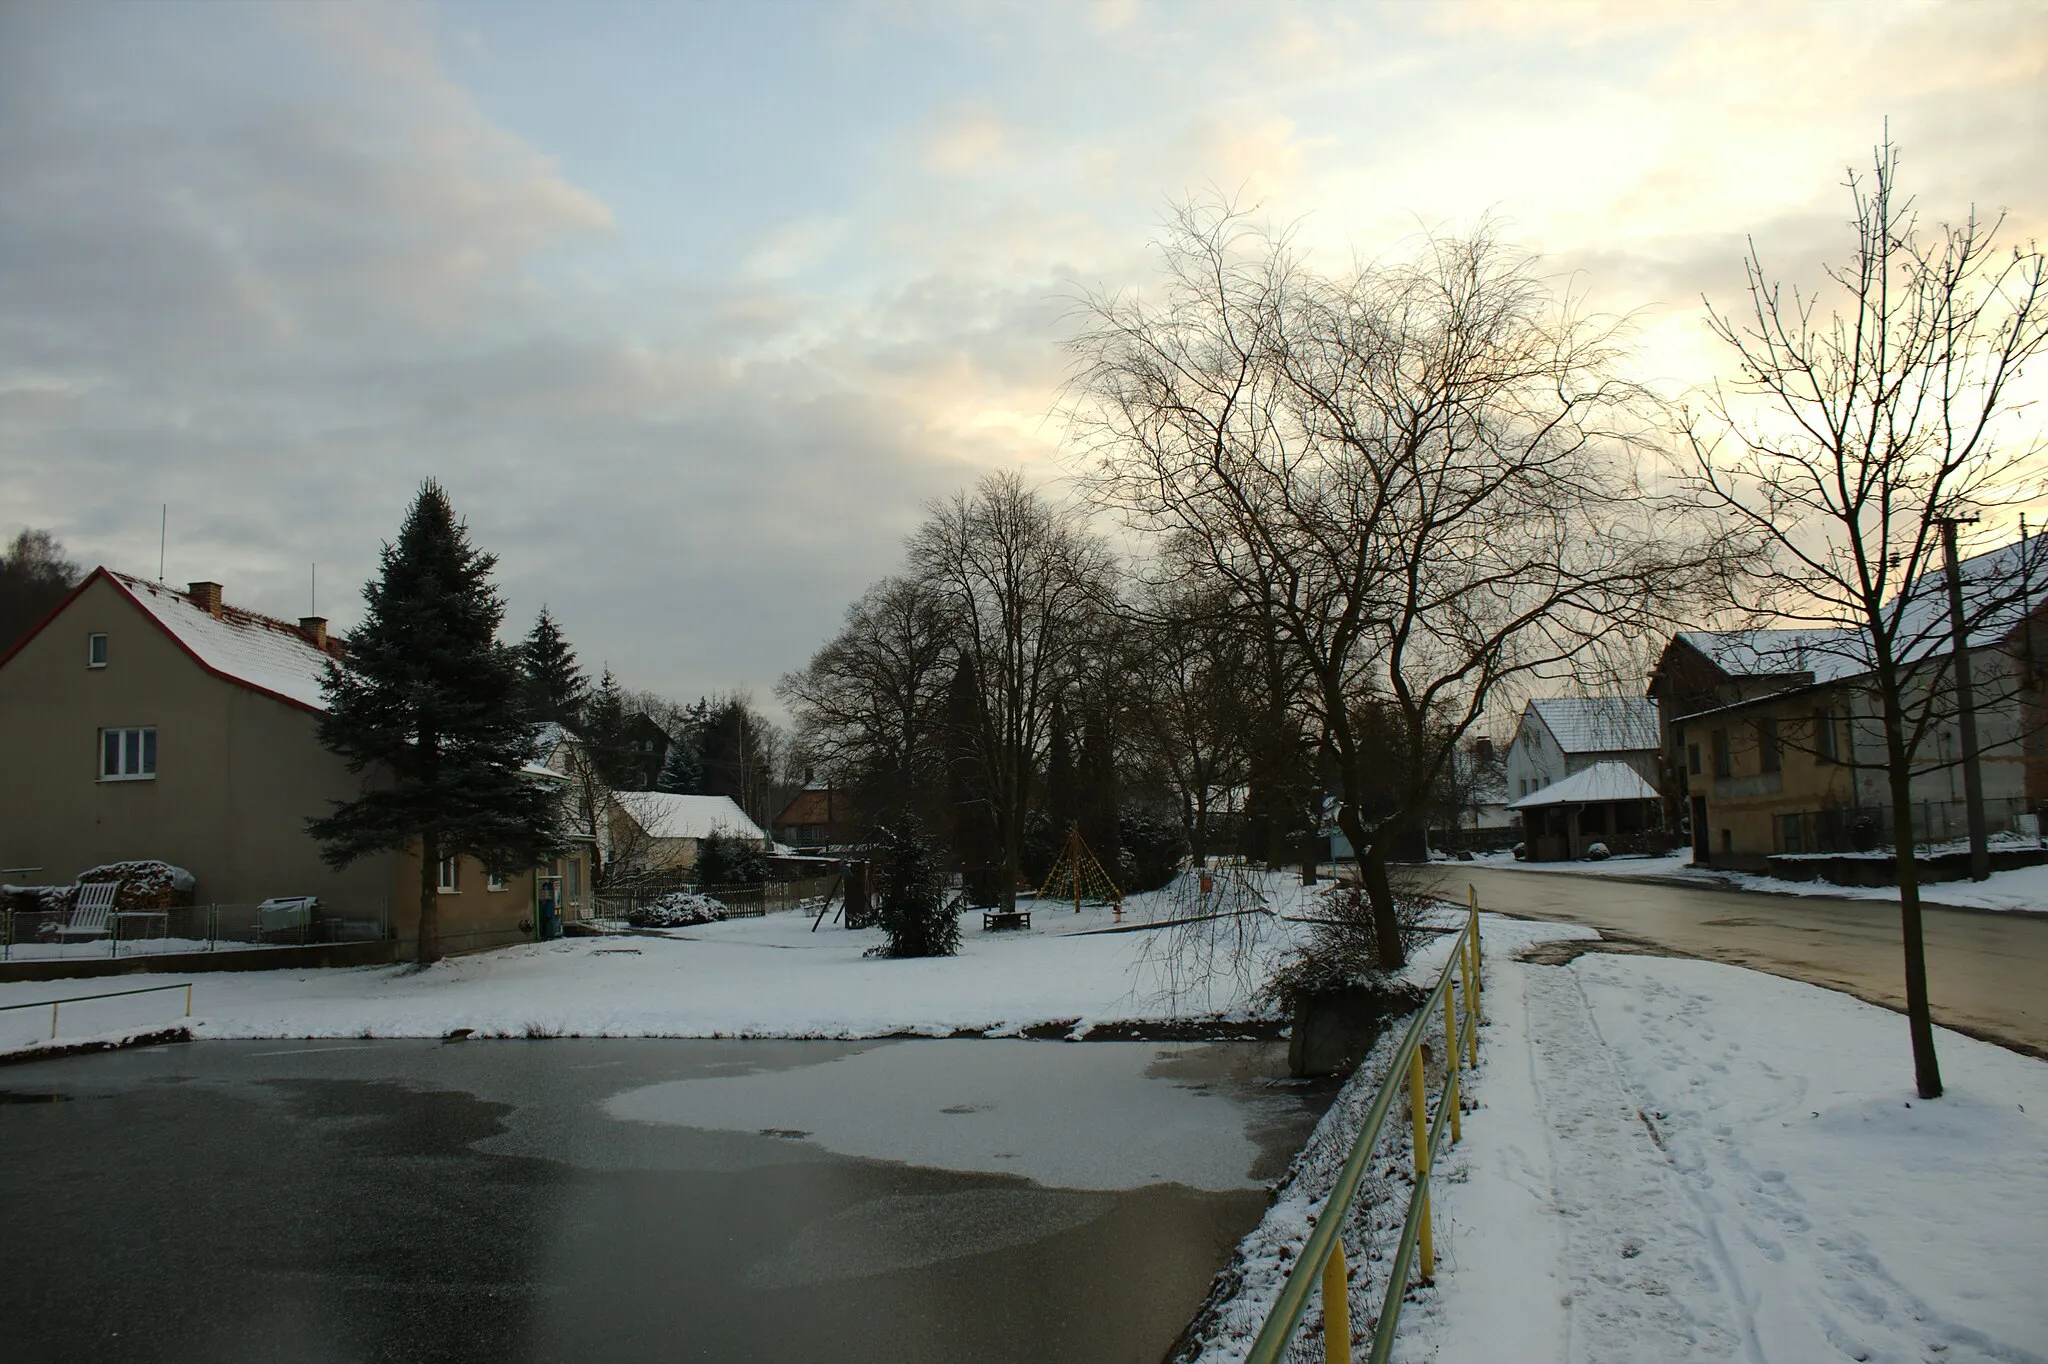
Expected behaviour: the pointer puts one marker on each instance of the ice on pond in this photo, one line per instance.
(1084, 1115)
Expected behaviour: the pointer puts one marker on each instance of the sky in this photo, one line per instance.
(693, 307)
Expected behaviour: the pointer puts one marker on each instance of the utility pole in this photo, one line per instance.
(1966, 706)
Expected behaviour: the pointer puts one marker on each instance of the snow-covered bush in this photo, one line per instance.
(1521, 852)
(678, 909)
(913, 909)
(1597, 852)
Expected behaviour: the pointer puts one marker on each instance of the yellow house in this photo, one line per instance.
(139, 721)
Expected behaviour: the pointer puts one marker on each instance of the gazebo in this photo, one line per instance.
(1563, 819)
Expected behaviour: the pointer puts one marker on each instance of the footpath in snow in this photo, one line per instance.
(1679, 1160)
(2023, 890)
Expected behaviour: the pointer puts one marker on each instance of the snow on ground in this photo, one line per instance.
(1675, 1159)
(762, 977)
(2024, 890)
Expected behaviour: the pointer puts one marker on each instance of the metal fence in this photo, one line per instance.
(1867, 828)
(30, 935)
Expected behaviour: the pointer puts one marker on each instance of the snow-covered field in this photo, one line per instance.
(763, 977)
(2024, 890)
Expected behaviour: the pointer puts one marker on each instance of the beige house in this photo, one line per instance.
(144, 722)
(656, 831)
(1561, 736)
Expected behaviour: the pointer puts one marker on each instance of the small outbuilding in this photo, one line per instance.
(657, 831)
(1607, 803)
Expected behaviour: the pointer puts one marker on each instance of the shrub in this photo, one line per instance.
(725, 859)
(1340, 950)
(912, 908)
(1597, 852)
(1152, 851)
(678, 909)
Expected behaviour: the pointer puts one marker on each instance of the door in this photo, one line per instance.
(1700, 847)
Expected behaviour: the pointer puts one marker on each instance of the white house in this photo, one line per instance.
(1561, 736)
(658, 831)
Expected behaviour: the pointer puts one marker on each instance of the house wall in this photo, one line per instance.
(1535, 760)
(238, 773)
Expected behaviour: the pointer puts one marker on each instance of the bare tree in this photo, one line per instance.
(1418, 478)
(1864, 420)
(1020, 579)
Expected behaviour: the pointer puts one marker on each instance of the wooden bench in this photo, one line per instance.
(993, 920)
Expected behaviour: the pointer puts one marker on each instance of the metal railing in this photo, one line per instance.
(29, 934)
(1454, 1002)
(54, 1004)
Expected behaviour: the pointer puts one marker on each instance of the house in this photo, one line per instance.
(1703, 670)
(1560, 736)
(145, 722)
(657, 831)
(1800, 769)
(645, 745)
(1607, 803)
(818, 817)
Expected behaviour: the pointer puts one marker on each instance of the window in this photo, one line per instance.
(1692, 759)
(95, 651)
(1767, 746)
(1727, 841)
(495, 881)
(128, 754)
(1824, 736)
(1790, 829)
(448, 877)
(1723, 766)
(574, 882)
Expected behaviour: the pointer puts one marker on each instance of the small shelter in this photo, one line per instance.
(1607, 801)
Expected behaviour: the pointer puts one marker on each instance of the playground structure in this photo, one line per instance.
(1077, 875)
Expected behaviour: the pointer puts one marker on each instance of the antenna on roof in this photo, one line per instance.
(313, 595)
(163, 526)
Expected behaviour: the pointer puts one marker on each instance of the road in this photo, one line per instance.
(1987, 974)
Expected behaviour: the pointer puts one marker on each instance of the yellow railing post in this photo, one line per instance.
(1336, 1307)
(1418, 1113)
(1454, 1061)
(53, 1020)
(188, 999)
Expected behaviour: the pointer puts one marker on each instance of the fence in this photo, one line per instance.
(1866, 828)
(741, 902)
(41, 934)
(1455, 1003)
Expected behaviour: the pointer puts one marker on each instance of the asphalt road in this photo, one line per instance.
(1987, 973)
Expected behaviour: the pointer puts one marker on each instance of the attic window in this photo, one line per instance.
(95, 651)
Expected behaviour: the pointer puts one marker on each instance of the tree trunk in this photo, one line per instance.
(1379, 893)
(428, 952)
(1919, 1023)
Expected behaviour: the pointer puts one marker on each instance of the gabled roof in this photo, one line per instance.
(1825, 654)
(664, 815)
(265, 655)
(1991, 610)
(816, 805)
(1601, 781)
(1599, 724)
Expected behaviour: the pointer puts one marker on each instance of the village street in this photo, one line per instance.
(1986, 971)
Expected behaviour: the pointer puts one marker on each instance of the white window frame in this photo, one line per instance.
(451, 876)
(134, 759)
(96, 650)
(493, 881)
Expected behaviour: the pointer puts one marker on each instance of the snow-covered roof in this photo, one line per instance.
(1998, 587)
(664, 815)
(1827, 654)
(1599, 724)
(263, 654)
(1601, 781)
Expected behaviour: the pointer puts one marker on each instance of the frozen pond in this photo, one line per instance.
(583, 1200)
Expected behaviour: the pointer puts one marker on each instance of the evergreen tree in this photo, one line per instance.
(604, 735)
(555, 688)
(681, 773)
(430, 700)
(913, 909)
(727, 859)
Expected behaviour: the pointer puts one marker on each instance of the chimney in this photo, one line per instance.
(206, 596)
(314, 628)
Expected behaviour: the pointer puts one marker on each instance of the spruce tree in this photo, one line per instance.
(555, 688)
(429, 703)
(681, 773)
(604, 735)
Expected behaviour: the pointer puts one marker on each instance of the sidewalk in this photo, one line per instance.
(1679, 1160)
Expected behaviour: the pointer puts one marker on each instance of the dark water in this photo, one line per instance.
(415, 1201)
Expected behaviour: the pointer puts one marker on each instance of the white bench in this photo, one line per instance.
(89, 910)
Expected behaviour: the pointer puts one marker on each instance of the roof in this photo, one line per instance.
(265, 655)
(1998, 588)
(1601, 781)
(1827, 654)
(664, 815)
(1599, 724)
(816, 805)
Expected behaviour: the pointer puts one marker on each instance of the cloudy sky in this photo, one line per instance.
(692, 306)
